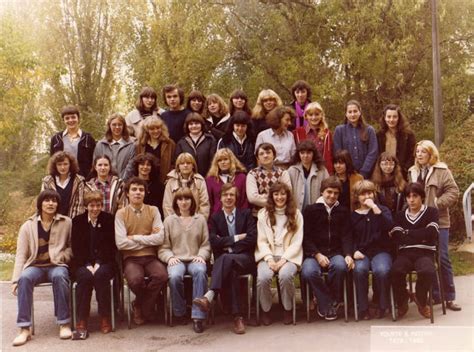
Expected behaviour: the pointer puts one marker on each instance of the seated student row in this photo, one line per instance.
(279, 249)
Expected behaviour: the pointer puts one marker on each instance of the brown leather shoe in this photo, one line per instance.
(287, 317)
(81, 325)
(105, 326)
(137, 314)
(425, 311)
(402, 310)
(266, 319)
(239, 326)
(202, 303)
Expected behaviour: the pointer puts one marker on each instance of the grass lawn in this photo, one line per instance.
(463, 262)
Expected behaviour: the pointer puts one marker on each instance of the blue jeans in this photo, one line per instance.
(176, 273)
(32, 276)
(328, 292)
(446, 269)
(380, 265)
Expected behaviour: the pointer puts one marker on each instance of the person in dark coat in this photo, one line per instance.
(327, 245)
(395, 136)
(199, 144)
(240, 138)
(233, 235)
(93, 248)
(74, 140)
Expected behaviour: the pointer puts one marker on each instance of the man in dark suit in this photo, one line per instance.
(233, 235)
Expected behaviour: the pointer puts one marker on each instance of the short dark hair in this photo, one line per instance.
(193, 117)
(228, 186)
(148, 92)
(70, 110)
(184, 193)
(300, 84)
(141, 159)
(171, 87)
(415, 187)
(195, 94)
(331, 182)
(275, 116)
(135, 181)
(46, 195)
(240, 117)
(265, 146)
(343, 156)
(308, 145)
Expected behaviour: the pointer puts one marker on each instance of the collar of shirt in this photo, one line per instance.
(328, 208)
(63, 184)
(120, 142)
(137, 211)
(231, 213)
(93, 222)
(99, 182)
(241, 141)
(414, 216)
(310, 130)
(79, 133)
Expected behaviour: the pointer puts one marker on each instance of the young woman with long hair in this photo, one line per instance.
(225, 168)
(239, 101)
(186, 249)
(301, 93)
(345, 172)
(316, 129)
(389, 181)
(196, 101)
(395, 136)
(216, 115)
(358, 138)
(442, 193)
(267, 100)
(279, 249)
(155, 139)
(185, 175)
(145, 106)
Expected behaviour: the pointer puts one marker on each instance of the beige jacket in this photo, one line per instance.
(197, 186)
(60, 252)
(441, 190)
(298, 183)
(292, 243)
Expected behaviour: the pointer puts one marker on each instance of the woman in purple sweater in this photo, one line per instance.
(225, 168)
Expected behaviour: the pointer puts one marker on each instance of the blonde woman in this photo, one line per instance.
(441, 193)
(267, 101)
(225, 168)
(316, 129)
(185, 176)
(155, 139)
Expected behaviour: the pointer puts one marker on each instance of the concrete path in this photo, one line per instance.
(451, 332)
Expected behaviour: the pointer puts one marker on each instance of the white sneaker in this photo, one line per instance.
(65, 332)
(23, 337)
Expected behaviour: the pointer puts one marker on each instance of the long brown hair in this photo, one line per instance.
(379, 178)
(402, 126)
(290, 209)
(363, 134)
(108, 133)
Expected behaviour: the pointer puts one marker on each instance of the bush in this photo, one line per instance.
(457, 151)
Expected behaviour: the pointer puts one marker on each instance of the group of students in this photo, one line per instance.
(264, 191)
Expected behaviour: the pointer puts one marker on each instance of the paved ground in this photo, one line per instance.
(453, 332)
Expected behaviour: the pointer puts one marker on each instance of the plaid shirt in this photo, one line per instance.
(105, 188)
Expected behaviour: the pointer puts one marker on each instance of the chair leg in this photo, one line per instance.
(294, 309)
(74, 305)
(392, 304)
(170, 306)
(112, 304)
(129, 306)
(249, 296)
(430, 300)
(345, 300)
(257, 307)
(308, 317)
(356, 308)
(33, 315)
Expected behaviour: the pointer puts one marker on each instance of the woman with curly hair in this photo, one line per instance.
(225, 168)
(195, 102)
(358, 138)
(345, 172)
(389, 182)
(64, 178)
(239, 101)
(279, 249)
(144, 167)
(395, 136)
(185, 175)
(103, 178)
(267, 100)
(216, 114)
(155, 139)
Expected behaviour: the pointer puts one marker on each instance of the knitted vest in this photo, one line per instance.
(139, 224)
(265, 179)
